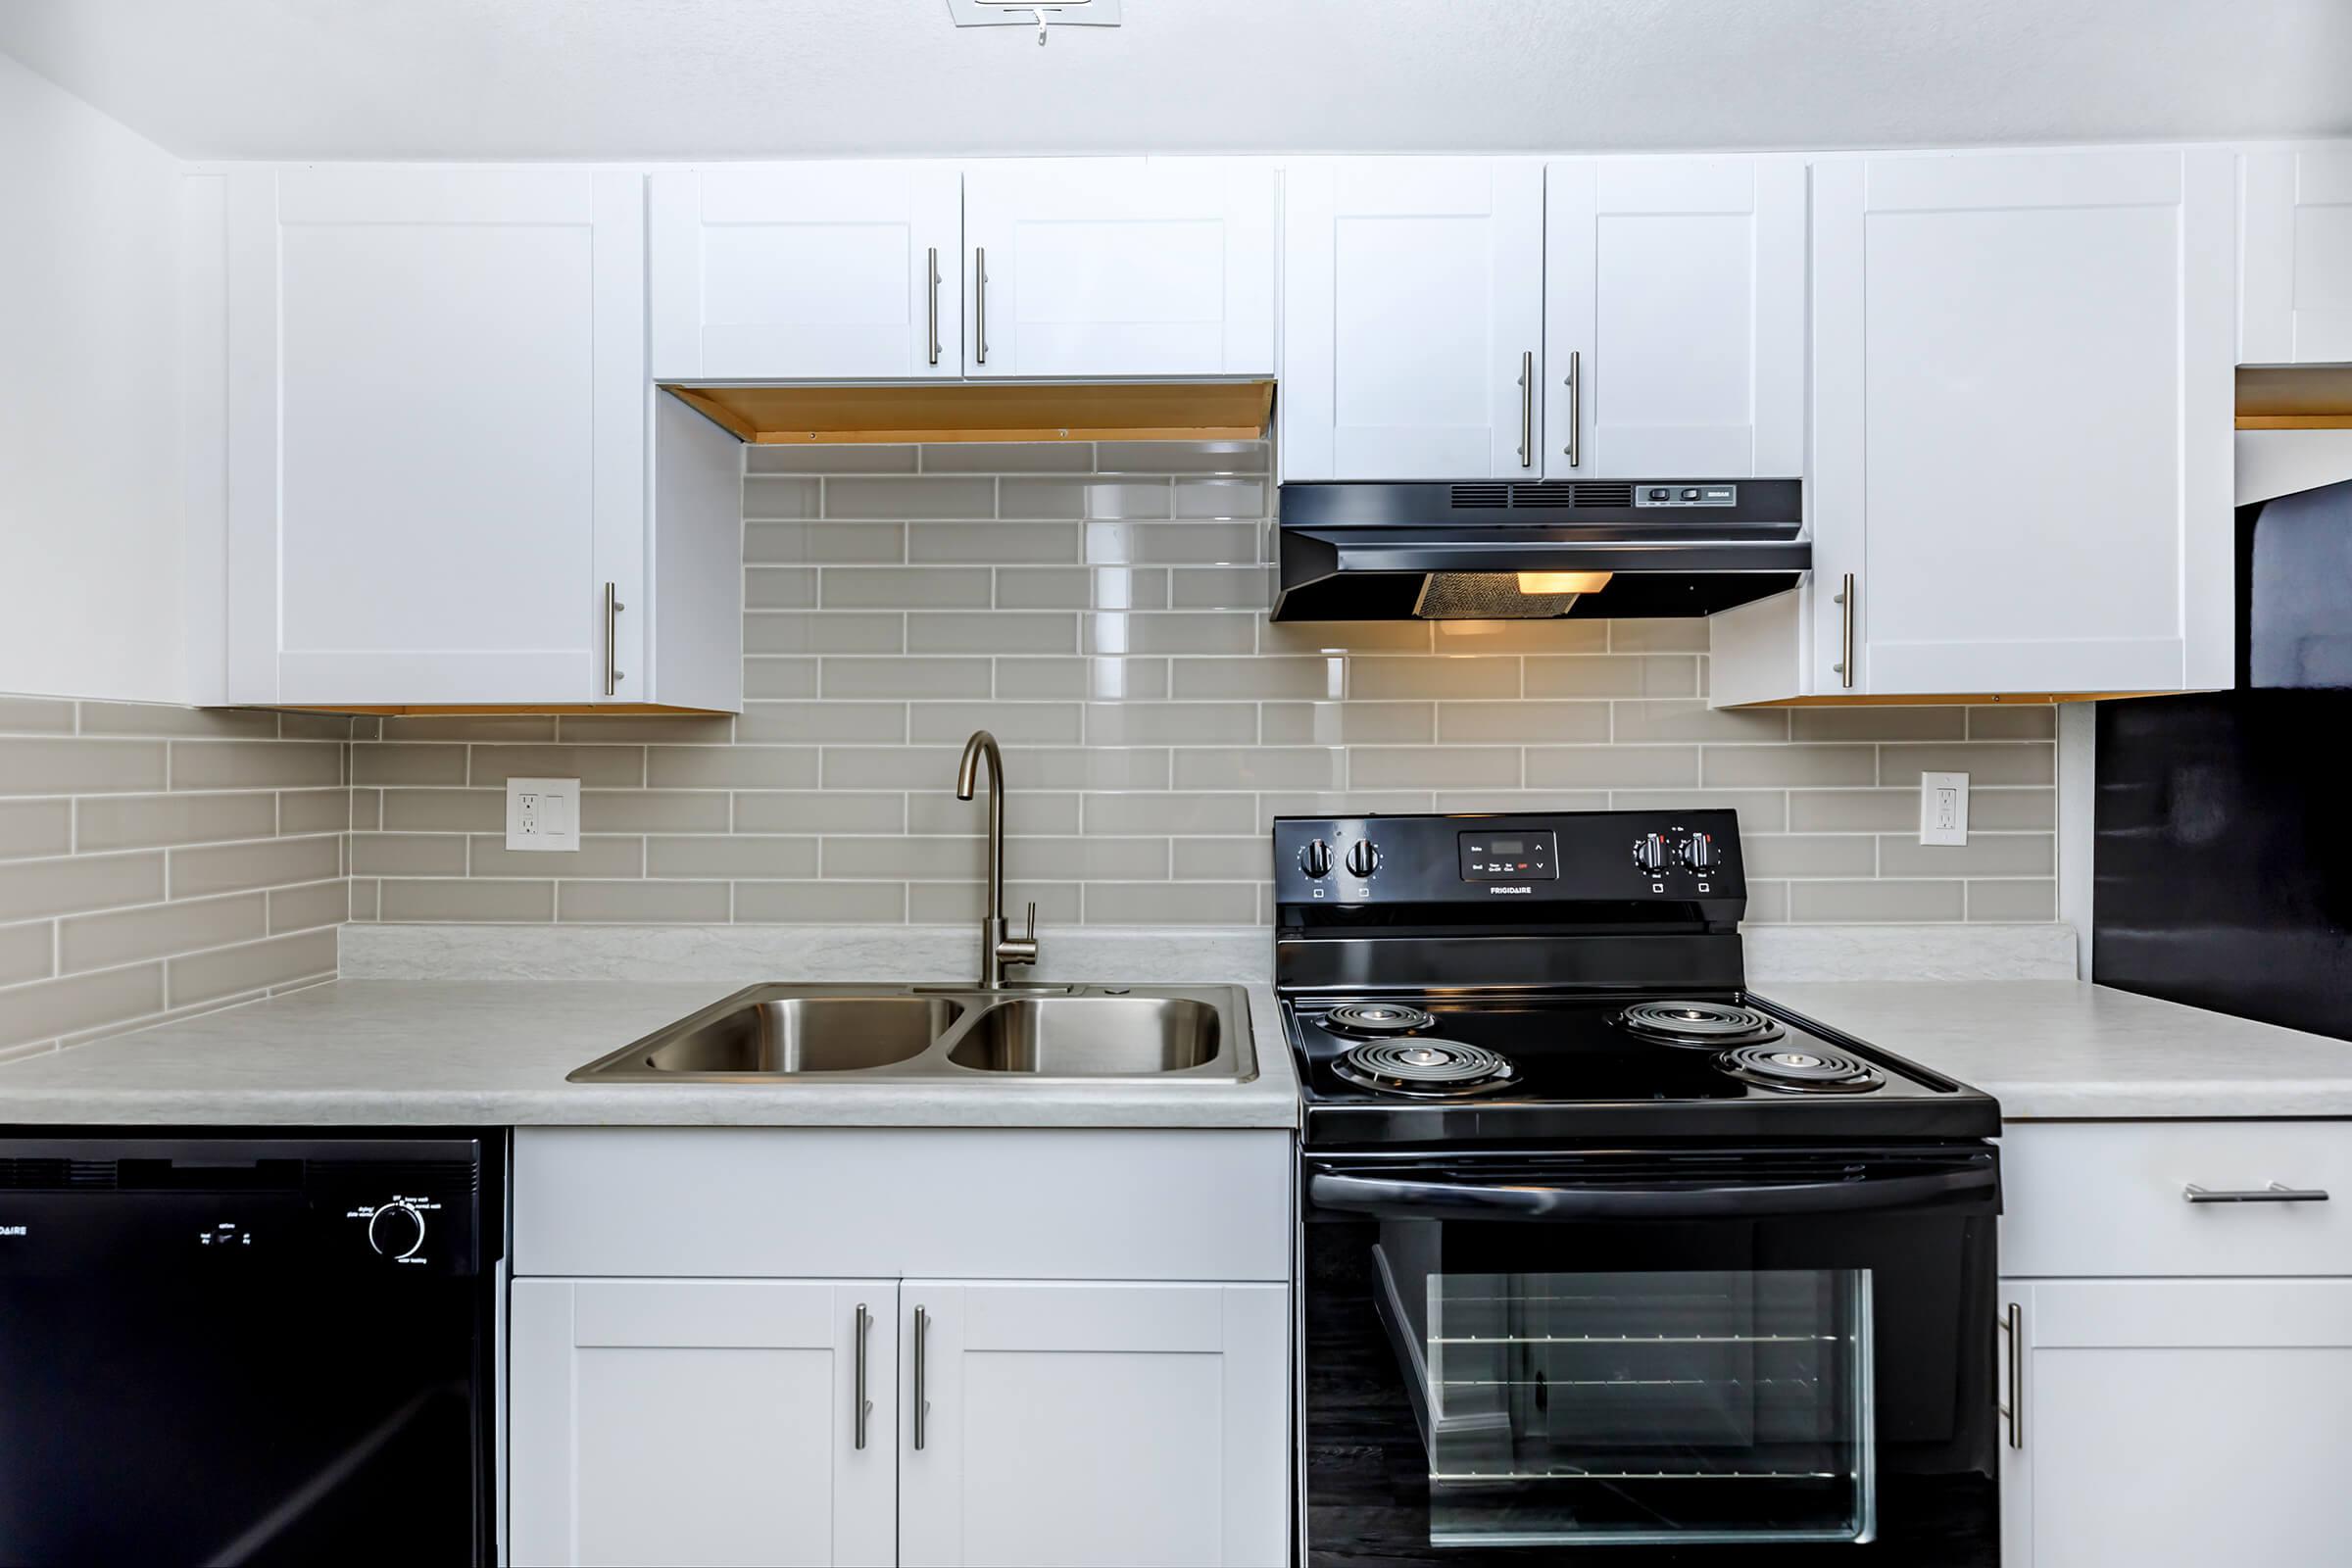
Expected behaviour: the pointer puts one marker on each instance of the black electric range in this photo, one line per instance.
(1600, 1247)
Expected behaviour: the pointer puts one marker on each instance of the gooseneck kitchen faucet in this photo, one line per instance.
(998, 949)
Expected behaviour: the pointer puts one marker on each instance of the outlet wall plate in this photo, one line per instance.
(543, 813)
(1944, 807)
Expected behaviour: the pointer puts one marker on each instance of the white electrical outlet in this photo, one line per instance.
(1944, 807)
(543, 813)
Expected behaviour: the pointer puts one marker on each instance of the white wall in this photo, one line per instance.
(92, 580)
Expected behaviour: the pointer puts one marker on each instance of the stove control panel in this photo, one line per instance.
(1519, 859)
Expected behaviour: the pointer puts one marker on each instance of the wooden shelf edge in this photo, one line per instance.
(968, 411)
(1947, 700)
(550, 709)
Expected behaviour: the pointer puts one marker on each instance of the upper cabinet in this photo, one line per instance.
(1489, 318)
(1120, 267)
(806, 272)
(438, 444)
(2021, 430)
(1413, 319)
(1674, 317)
(2295, 293)
(1127, 268)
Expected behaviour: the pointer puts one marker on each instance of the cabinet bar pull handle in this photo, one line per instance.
(1576, 406)
(1845, 633)
(922, 1405)
(612, 608)
(933, 317)
(979, 314)
(1527, 410)
(2013, 1410)
(2275, 1193)
(859, 1406)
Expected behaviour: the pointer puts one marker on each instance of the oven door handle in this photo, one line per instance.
(1390, 1198)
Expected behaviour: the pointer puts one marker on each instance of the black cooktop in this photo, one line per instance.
(1574, 1067)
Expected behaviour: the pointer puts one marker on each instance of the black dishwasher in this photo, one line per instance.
(266, 1350)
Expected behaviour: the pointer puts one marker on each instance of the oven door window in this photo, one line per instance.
(1564, 1408)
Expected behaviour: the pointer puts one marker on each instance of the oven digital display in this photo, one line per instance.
(1517, 855)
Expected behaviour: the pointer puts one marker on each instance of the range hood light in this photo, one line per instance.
(1532, 583)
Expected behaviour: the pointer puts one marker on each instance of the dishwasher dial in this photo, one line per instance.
(396, 1229)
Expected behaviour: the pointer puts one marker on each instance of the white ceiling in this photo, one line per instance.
(709, 78)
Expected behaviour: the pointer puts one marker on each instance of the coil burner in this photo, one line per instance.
(1427, 1068)
(1374, 1020)
(1800, 1072)
(1706, 1025)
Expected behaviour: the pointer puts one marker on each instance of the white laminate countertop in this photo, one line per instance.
(494, 1052)
(2063, 1049)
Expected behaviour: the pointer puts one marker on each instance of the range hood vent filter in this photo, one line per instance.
(1485, 596)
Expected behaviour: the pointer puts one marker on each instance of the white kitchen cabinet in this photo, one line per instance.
(806, 272)
(2295, 250)
(439, 431)
(2176, 1373)
(1094, 1426)
(2021, 433)
(2180, 1423)
(1674, 317)
(1102, 1368)
(700, 1422)
(1120, 267)
(1413, 318)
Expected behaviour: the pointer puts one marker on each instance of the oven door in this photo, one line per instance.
(1781, 1357)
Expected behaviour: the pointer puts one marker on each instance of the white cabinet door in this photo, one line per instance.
(2181, 1424)
(437, 431)
(2023, 419)
(805, 272)
(1674, 317)
(1120, 267)
(2295, 295)
(1413, 318)
(658, 1422)
(1094, 1426)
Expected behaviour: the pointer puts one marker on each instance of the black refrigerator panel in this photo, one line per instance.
(2223, 875)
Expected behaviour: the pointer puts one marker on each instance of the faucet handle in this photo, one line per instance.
(1023, 948)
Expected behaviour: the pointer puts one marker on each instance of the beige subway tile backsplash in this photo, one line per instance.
(137, 839)
(1101, 608)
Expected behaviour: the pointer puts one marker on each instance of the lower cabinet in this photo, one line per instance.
(1086, 1425)
(2178, 1423)
(761, 1422)
(703, 1421)
(2177, 1313)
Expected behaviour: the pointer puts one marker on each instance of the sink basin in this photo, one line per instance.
(945, 1034)
(771, 1030)
(1090, 1037)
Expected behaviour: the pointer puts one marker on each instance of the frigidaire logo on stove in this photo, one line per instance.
(12, 1230)
(1493, 888)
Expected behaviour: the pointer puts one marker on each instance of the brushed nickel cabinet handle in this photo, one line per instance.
(922, 1405)
(980, 305)
(2275, 1193)
(1576, 406)
(859, 1406)
(1845, 633)
(933, 317)
(2013, 1408)
(1527, 410)
(612, 608)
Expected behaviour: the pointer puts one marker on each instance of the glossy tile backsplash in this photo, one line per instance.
(158, 861)
(1101, 608)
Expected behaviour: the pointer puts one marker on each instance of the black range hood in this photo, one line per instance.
(1504, 550)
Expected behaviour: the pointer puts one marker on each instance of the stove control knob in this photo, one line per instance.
(1315, 859)
(396, 1229)
(1649, 852)
(1698, 852)
(1362, 857)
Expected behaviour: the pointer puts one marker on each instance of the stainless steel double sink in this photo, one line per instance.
(901, 1032)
